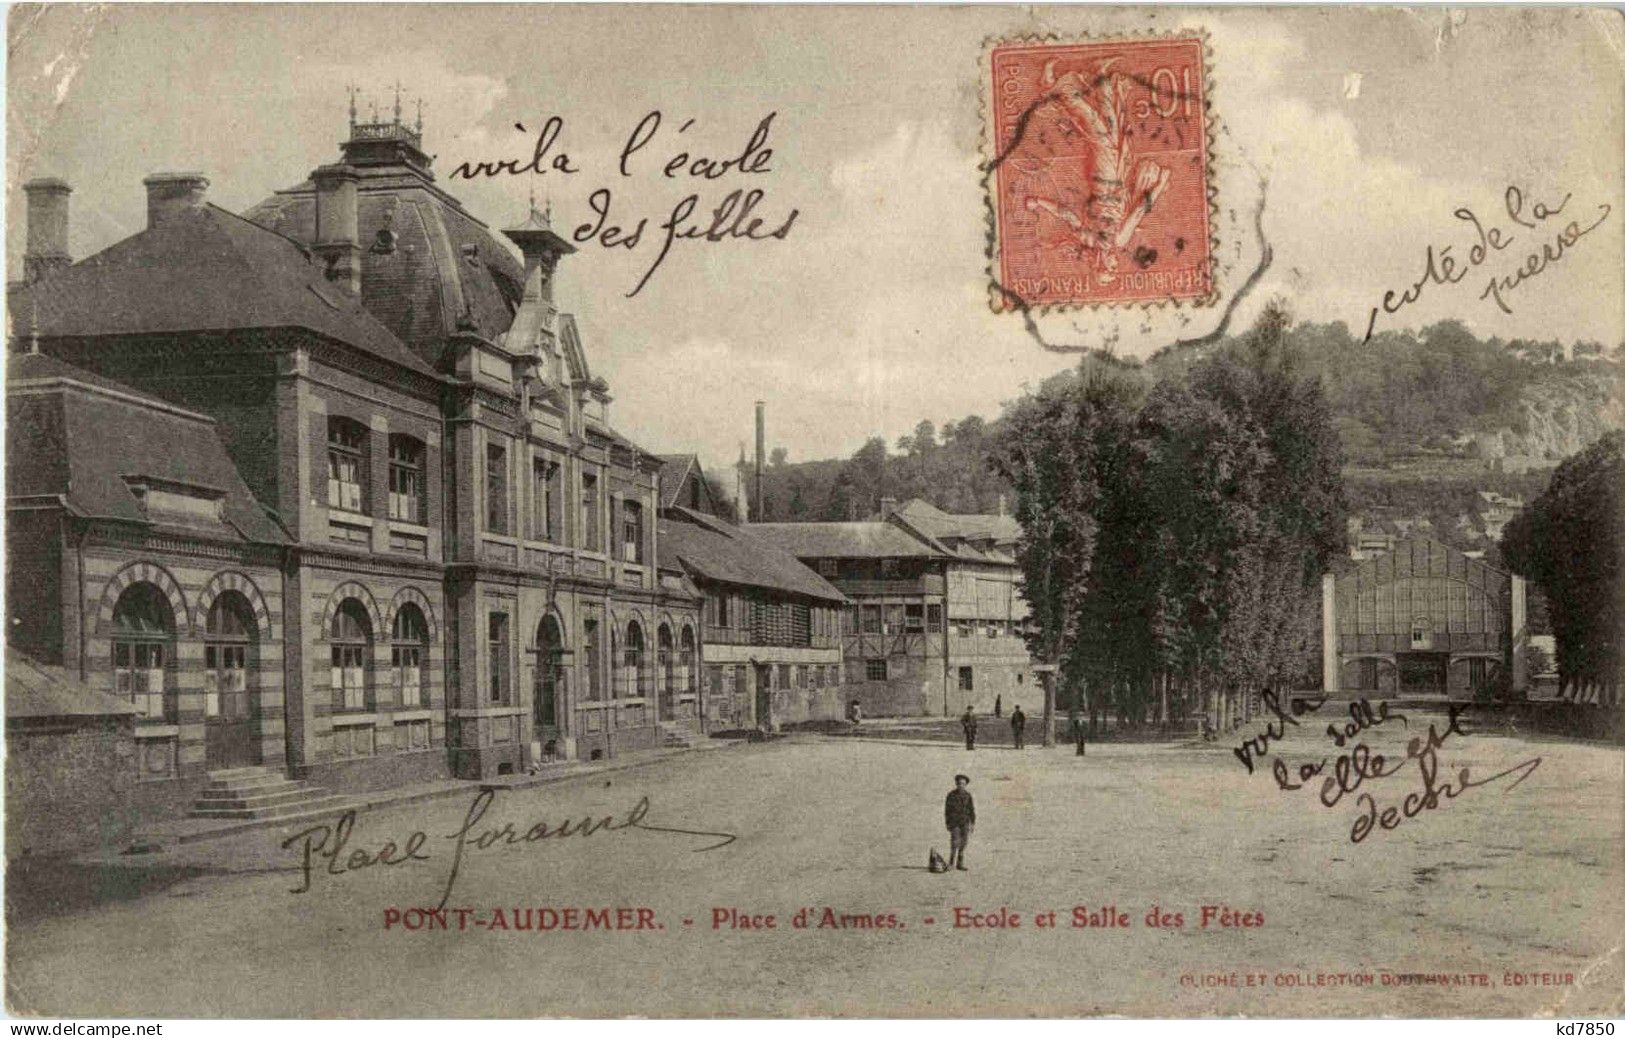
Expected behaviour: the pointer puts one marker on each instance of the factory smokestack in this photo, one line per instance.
(761, 449)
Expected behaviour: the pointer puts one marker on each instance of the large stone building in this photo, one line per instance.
(1423, 620)
(331, 488)
(938, 620)
(772, 625)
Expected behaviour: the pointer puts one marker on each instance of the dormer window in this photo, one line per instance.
(169, 501)
(471, 253)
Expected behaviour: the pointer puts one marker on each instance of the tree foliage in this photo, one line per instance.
(1175, 531)
(1571, 541)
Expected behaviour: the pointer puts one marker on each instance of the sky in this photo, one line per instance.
(1369, 128)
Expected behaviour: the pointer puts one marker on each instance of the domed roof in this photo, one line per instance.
(429, 268)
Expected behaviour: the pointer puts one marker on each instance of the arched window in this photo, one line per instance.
(406, 498)
(690, 662)
(228, 642)
(632, 661)
(665, 661)
(409, 653)
(549, 672)
(143, 640)
(346, 465)
(351, 638)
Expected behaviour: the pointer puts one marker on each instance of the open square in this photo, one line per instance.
(1514, 885)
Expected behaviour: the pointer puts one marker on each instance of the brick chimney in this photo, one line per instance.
(47, 249)
(337, 238)
(173, 194)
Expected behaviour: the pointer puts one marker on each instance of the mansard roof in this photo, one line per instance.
(429, 269)
(95, 445)
(199, 270)
(711, 549)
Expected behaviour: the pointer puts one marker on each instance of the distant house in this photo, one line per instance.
(70, 762)
(939, 618)
(772, 626)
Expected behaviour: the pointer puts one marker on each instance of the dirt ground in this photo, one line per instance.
(1501, 901)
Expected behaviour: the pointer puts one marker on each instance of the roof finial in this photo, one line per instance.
(352, 90)
(420, 117)
(374, 104)
(33, 323)
(397, 102)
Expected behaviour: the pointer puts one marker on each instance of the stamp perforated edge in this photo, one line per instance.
(1002, 300)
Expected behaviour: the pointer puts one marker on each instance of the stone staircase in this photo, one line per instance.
(677, 736)
(261, 793)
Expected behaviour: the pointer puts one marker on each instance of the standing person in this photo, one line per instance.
(1018, 726)
(998, 705)
(959, 811)
(968, 722)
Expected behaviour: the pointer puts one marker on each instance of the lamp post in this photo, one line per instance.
(1046, 677)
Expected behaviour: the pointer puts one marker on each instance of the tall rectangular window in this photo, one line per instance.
(933, 618)
(718, 602)
(966, 680)
(497, 645)
(496, 488)
(406, 479)
(631, 531)
(871, 619)
(589, 645)
(914, 617)
(545, 517)
(590, 538)
(346, 465)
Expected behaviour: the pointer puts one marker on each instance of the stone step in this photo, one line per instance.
(257, 782)
(231, 774)
(295, 791)
(319, 804)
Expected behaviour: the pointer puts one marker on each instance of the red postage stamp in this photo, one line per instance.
(1098, 172)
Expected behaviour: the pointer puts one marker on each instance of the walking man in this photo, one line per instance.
(968, 722)
(959, 812)
(1018, 726)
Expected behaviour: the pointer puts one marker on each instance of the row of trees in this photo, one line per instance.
(1175, 530)
(1571, 541)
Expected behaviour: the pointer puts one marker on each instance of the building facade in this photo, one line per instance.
(937, 621)
(773, 642)
(1425, 621)
(441, 557)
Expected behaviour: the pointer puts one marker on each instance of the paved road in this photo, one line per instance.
(1525, 880)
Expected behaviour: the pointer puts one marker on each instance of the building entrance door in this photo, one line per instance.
(229, 736)
(549, 676)
(764, 695)
(1422, 673)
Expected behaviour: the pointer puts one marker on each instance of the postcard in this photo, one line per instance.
(885, 512)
